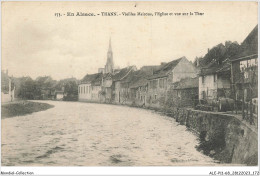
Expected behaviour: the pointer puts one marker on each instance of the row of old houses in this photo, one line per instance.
(225, 82)
(147, 86)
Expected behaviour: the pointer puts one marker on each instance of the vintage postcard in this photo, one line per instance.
(129, 84)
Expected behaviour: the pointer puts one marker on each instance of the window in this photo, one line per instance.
(155, 83)
(179, 94)
(155, 97)
(215, 77)
(203, 95)
(161, 83)
(203, 79)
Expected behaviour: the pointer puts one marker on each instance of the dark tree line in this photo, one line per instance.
(45, 88)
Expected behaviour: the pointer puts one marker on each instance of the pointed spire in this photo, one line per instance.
(110, 47)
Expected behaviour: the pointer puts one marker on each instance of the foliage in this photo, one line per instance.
(219, 53)
(70, 91)
(21, 108)
(44, 88)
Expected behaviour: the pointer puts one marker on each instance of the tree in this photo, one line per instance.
(219, 53)
(70, 91)
(26, 88)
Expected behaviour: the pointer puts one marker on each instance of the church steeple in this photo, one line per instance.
(109, 67)
(110, 47)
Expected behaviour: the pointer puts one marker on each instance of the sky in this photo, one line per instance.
(37, 43)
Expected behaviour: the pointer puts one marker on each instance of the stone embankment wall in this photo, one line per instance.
(223, 137)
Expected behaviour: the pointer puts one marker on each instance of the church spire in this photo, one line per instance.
(110, 47)
(109, 67)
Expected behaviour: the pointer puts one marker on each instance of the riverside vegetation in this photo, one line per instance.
(20, 108)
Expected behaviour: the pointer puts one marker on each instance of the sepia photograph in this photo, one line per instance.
(119, 84)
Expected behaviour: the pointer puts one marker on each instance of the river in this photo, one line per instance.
(85, 134)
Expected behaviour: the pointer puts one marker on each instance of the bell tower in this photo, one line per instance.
(109, 67)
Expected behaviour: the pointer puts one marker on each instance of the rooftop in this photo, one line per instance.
(91, 78)
(214, 67)
(165, 69)
(249, 46)
(122, 73)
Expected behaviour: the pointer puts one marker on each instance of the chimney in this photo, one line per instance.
(7, 72)
(208, 50)
(163, 63)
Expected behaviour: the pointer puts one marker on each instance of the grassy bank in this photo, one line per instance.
(21, 108)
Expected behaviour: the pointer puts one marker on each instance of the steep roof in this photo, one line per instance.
(165, 69)
(140, 78)
(122, 73)
(151, 68)
(98, 80)
(91, 78)
(130, 77)
(213, 67)
(107, 75)
(186, 83)
(249, 46)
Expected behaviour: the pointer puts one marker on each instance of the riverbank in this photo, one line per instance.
(223, 137)
(20, 108)
(84, 134)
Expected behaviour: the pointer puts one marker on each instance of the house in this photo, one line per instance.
(244, 69)
(7, 87)
(121, 85)
(106, 92)
(96, 85)
(59, 94)
(67, 89)
(168, 73)
(125, 83)
(139, 85)
(214, 81)
(89, 87)
(184, 93)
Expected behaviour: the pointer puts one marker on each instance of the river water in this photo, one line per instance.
(84, 134)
